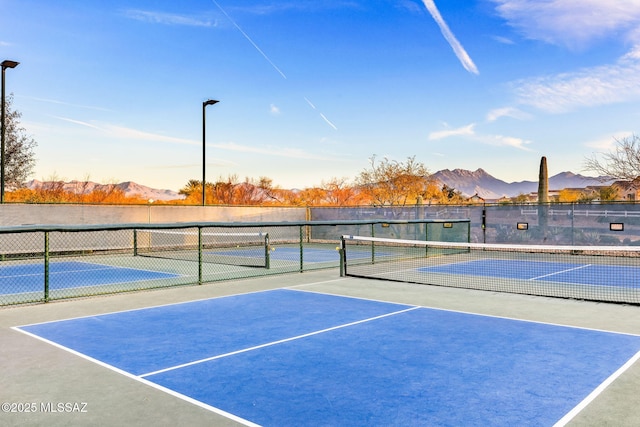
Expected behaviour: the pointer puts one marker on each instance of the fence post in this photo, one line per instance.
(199, 255)
(46, 266)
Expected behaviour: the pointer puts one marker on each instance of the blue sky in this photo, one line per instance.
(309, 90)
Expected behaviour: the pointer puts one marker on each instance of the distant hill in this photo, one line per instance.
(129, 188)
(488, 187)
(468, 182)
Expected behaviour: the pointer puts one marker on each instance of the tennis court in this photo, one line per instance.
(306, 355)
(598, 273)
(585, 274)
(24, 278)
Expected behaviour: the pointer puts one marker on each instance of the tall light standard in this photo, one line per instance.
(5, 64)
(204, 161)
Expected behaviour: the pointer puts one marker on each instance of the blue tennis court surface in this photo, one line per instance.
(69, 274)
(291, 358)
(584, 274)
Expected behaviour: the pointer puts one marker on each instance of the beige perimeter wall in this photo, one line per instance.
(31, 214)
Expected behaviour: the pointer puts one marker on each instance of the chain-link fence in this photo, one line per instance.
(42, 263)
(612, 224)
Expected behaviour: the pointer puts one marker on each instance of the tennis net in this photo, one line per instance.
(246, 249)
(600, 273)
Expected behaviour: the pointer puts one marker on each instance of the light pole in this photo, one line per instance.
(204, 161)
(5, 64)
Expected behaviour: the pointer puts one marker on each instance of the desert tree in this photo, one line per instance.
(392, 183)
(338, 192)
(254, 192)
(622, 162)
(607, 193)
(19, 156)
(312, 196)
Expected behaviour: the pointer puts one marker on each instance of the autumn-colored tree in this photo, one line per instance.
(451, 196)
(568, 195)
(49, 192)
(313, 196)
(252, 192)
(192, 191)
(392, 183)
(338, 192)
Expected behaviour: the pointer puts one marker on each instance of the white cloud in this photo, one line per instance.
(79, 122)
(508, 141)
(128, 133)
(53, 101)
(121, 132)
(512, 112)
(273, 109)
(460, 52)
(469, 132)
(603, 85)
(462, 131)
(503, 40)
(577, 24)
(571, 23)
(167, 18)
(608, 142)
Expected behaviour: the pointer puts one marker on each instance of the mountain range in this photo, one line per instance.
(129, 188)
(486, 186)
(467, 182)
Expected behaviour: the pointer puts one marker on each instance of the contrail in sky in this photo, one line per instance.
(310, 103)
(246, 36)
(462, 55)
(328, 121)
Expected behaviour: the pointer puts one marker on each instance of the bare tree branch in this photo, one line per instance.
(623, 162)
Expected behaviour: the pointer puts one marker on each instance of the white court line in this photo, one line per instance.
(587, 400)
(142, 380)
(195, 362)
(561, 271)
(151, 307)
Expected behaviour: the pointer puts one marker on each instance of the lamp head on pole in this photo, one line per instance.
(9, 64)
(209, 102)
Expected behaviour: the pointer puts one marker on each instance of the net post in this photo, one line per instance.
(343, 263)
(199, 255)
(301, 249)
(135, 242)
(267, 255)
(373, 246)
(46, 266)
(484, 225)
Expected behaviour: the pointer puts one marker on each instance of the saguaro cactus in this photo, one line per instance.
(543, 182)
(543, 197)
